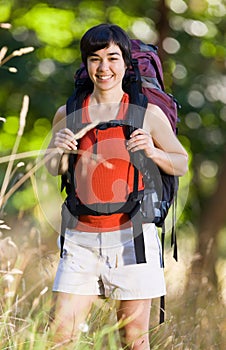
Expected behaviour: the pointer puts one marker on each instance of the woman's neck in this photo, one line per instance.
(100, 97)
(104, 107)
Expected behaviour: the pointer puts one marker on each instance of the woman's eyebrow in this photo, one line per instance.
(109, 54)
(113, 53)
(93, 54)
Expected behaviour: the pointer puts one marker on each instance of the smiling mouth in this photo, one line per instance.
(104, 77)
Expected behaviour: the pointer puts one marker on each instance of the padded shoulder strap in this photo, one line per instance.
(74, 113)
(136, 112)
(70, 104)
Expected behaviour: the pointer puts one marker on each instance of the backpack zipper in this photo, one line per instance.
(95, 143)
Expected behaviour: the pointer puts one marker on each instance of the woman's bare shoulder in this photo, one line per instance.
(156, 111)
(60, 114)
(59, 119)
(155, 117)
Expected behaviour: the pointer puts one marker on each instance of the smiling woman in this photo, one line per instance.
(99, 255)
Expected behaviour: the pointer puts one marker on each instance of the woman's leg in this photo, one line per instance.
(70, 311)
(135, 333)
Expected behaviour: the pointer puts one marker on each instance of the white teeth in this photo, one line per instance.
(105, 77)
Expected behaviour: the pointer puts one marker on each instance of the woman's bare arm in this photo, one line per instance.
(62, 140)
(159, 143)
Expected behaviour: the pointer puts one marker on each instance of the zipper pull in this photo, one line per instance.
(95, 144)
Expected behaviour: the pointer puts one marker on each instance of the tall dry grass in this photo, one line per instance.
(26, 302)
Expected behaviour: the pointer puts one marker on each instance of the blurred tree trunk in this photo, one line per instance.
(211, 221)
(162, 26)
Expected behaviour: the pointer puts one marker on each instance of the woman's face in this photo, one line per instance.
(106, 68)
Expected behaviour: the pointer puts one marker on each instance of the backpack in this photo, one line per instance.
(143, 82)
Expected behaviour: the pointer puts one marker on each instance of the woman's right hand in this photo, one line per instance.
(65, 140)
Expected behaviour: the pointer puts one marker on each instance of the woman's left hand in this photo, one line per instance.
(141, 140)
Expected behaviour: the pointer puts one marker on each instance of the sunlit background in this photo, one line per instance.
(191, 41)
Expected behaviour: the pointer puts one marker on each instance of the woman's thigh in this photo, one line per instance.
(70, 311)
(138, 311)
(135, 317)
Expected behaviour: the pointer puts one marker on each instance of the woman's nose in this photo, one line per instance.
(103, 65)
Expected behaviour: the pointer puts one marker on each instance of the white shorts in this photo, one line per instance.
(105, 264)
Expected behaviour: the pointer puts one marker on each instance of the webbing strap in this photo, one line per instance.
(108, 208)
(162, 298)
(162, 309)
(138, 238)
(62, 239)
(163, 243)
(173, 233)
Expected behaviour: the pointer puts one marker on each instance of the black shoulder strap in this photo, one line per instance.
(74, 112)
(136, 112)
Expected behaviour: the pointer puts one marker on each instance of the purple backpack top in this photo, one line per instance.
(151, 79)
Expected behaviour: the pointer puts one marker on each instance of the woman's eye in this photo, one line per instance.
(93, 59)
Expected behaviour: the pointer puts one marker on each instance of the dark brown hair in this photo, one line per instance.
(100, 37)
